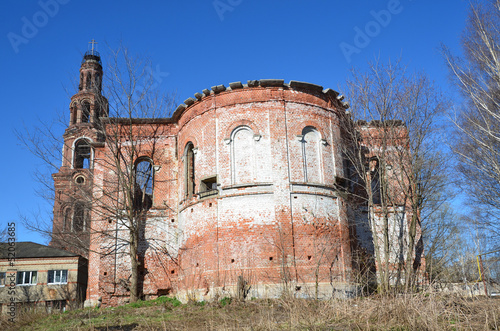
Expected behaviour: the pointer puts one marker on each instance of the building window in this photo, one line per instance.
(83, 153)
(85, 112)
(88, 81)
(57, 277)
(2, 278)
(80, 86)
(189, 170)
(311, 158)
(73, 114)
(208, 187)
(26, 277)
(375, 181)
(67, 219)
(79, 217)
(143, 193)
(55, 305)
(242, 155)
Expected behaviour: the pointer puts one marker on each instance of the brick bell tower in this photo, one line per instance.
(73, 183)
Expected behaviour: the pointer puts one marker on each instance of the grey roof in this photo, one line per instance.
(28, 249)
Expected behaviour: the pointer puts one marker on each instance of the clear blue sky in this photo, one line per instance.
(196, 45)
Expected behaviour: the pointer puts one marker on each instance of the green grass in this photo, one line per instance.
(402, 313)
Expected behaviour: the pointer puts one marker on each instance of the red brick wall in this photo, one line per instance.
(266, 224)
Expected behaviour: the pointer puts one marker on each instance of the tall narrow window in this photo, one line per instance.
(311, 155)
(73, 114)
(143, 193)
(82, 154)
(189, 168)
(79, 217)
(67, 219)
(80, 86)
(88, 81)
(97, 82)
(97, 114)
(243, 162)
(85, 112)
(375, 181)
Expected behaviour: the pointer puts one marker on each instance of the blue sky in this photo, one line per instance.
(194, 45)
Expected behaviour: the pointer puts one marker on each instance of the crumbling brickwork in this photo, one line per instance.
(246, 190)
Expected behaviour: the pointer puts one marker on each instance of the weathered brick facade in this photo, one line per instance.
(245, 196)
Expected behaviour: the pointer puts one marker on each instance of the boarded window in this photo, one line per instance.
(311, 155)
(243, 155)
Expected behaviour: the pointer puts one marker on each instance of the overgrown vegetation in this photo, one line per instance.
(405, 312)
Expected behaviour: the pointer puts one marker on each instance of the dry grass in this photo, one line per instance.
(405, 312)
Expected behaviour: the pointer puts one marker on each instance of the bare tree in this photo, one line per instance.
(443, 242)
(394, 163)
(111, 195)
(476, 142)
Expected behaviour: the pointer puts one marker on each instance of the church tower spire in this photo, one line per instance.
(73, 183)
(88, 105)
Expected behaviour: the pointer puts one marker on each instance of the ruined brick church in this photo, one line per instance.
(242, 192)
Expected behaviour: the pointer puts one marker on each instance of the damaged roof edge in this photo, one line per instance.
(296, 85)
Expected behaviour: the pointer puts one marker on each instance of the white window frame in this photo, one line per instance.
(56, 273)
(23, 273)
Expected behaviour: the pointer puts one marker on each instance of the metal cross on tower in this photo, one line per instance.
(93, 42)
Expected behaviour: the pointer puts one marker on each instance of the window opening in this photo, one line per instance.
(57, 277)
(311, 155)
(80, 180)
(73, 114)
(67, 219)
(243, 163)
(82, 154)
(55, 305)
(143, 196)
(88, 81)
(85, 112)
(26, 277)
(79, 217)
(2, 278)
(375, 181)
(208, 187)
(189, 170)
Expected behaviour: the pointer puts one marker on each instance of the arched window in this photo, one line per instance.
(189, 170)
(88, 81)
(143, 192)
(82, 155)
(97, 83)
(311, 156)
(73, 114)
(243, 158)
(375, 181)
(67, 219)
(79, 217)
(85, 112)
(80, 86)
